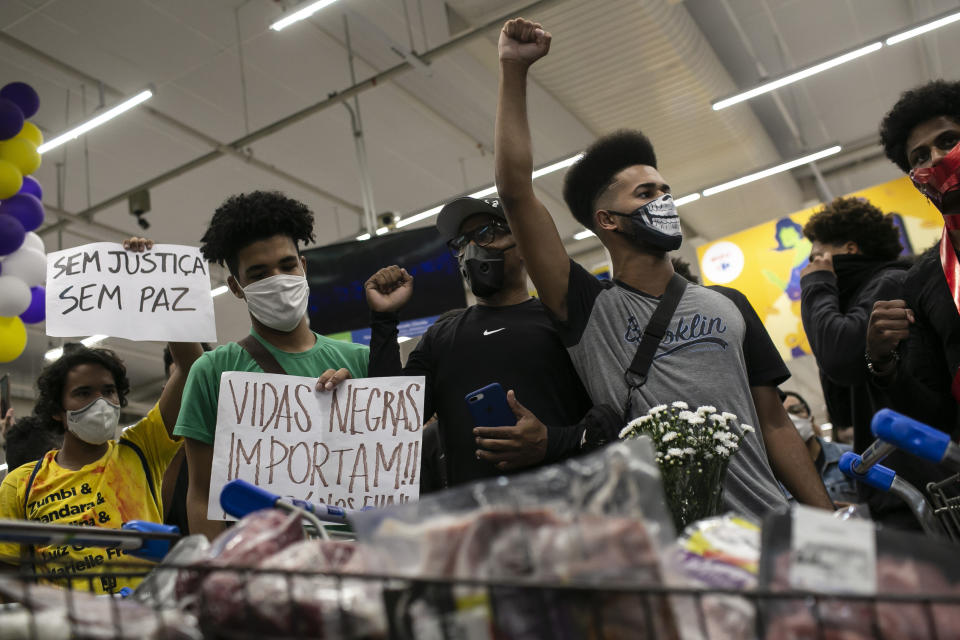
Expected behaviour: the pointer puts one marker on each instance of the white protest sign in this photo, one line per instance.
(355, 446)
(160, 294)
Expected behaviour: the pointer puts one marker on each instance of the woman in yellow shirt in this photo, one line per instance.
(94, 479)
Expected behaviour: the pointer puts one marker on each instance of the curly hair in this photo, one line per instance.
(594, 172)
(53, 379)
(855, 219)
(248, 217)
(916, 106)
(29, 439)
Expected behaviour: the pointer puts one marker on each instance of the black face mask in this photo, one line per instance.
(483, 269)
(655, 224)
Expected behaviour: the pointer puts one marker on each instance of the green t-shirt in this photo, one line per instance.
(198, 411)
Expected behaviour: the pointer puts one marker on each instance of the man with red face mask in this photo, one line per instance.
(913, 345)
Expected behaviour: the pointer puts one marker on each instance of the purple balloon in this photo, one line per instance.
(22, 95)
(37, 310)
(11, 119)
(32, 187)
(11, 234)
(25, 208)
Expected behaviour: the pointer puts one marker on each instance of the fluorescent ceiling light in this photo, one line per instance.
(483, 193)
(797, 76)
(780, 168)
(301, 14)
(53, 354)
(3, 467)
(95, 122)
(924, 28)
(556, 166)
(219, 291)
(363, 236)
(682, 200)
(583, 235)
(402, 339)
(417, 217)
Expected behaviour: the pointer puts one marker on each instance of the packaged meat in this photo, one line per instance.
(892, 563)
(289, 594)
(259, 535)
(596, 521)
(52, 612)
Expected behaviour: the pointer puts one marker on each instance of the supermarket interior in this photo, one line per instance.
(480, 319)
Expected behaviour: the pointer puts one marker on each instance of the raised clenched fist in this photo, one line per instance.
(889, 324)
(523, 42)
(389, 289)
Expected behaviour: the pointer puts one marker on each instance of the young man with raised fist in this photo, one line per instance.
(506, 337)
(714, 350)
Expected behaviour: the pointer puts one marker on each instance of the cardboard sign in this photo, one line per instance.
(356, 446)
(101, 288)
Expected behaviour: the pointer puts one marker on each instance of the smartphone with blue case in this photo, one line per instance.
(489, 407)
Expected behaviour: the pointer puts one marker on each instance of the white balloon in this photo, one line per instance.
(33, 241)
(26, 264)
(14, 296)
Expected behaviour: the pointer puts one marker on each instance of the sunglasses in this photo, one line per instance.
(481, 236)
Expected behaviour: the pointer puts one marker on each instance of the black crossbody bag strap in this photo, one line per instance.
(636, 374)
(261, 355)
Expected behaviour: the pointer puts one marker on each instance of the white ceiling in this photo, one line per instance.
(654, 65)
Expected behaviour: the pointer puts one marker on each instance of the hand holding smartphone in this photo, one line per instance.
(489, 407)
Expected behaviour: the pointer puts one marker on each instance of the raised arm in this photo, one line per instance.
(521, 44)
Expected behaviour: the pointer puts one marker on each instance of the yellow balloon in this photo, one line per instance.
(10, 179)
(32, 133)
(21, 153)
(13, 339)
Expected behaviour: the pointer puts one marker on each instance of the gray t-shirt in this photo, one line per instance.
(714, 350)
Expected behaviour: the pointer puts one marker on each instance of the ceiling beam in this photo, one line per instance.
(335, 98)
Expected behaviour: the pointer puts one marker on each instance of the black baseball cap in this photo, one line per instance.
(456, 211)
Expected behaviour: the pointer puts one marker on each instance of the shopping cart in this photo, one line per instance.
(937, 511)
(266, 603)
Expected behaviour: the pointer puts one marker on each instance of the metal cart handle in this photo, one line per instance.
(877, 476)
(914, 437)
(885, 479)
(240, 498)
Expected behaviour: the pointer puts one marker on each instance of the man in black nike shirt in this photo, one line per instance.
(506, 337)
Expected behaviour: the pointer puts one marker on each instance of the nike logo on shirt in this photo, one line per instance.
(487, 333)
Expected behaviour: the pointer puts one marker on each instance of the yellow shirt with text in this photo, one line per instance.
(105, 493)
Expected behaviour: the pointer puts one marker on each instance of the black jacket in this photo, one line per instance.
(930, 357)
(836, 325)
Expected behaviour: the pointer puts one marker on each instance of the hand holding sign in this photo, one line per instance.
(138, 291)
(353, 447)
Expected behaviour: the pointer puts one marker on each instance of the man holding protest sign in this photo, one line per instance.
(93, 479)
(258, 237)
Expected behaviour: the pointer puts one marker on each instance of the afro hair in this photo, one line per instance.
(855, 219)
(53, 379)
(594, 172)
(248, 217)
(937, 98)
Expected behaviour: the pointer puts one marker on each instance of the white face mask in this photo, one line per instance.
(278, 301)
(803, 425)
(95, 423)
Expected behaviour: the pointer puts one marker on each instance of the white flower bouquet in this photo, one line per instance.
(693, 450)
